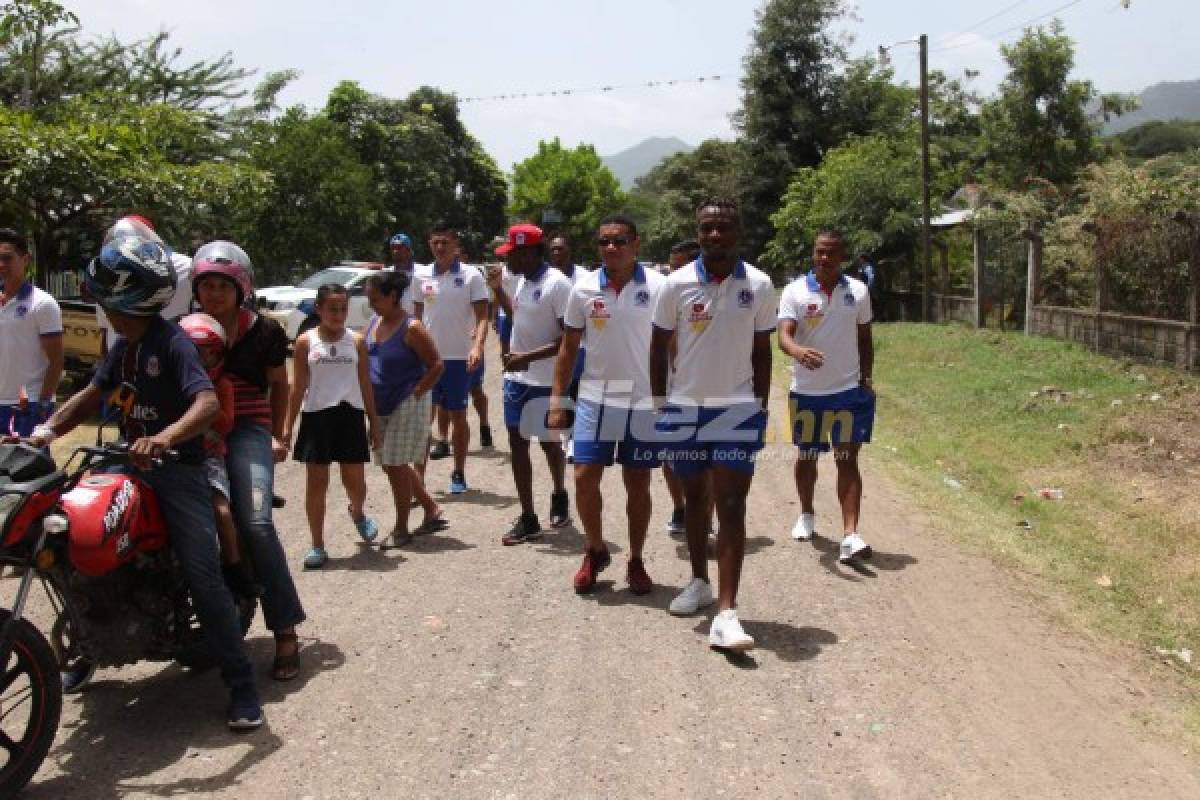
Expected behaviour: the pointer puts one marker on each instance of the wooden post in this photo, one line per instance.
(977, 239)
(943, 278)
(1192, 221)
(1033, 275)
(1100, 296)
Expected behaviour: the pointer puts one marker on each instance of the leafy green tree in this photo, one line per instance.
(1038, 125)
(573, 184)
(790, 90)
(321, 206)
(868, 188)
(1159, 138)
(664, 200)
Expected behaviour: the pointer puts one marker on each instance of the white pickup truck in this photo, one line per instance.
(292, 305)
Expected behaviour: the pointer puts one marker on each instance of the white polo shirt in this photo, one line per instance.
(616, 331)
(449, 311)
(714, 324)
(24, 320)
(538, 305)
(829, 324)
(577, 272)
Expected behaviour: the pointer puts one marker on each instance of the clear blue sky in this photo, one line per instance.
(479, 48)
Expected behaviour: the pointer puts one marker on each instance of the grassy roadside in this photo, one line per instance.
(974, 424)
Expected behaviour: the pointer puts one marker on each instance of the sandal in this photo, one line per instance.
(286, 667)
(432, 524)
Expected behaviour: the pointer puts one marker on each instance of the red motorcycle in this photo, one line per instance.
(97, 544)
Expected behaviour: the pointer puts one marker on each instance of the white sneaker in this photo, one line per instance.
(805, 527)
(853, 547)
(695, 596)
(726, 632)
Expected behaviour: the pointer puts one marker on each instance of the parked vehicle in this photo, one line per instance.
(283, 303)
(97, 543)
(82, 335)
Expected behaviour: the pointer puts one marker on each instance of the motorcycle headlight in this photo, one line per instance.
(8, 504)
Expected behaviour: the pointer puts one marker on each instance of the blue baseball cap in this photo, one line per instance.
(401, 239)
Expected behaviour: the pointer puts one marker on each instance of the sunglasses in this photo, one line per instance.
(615, 241)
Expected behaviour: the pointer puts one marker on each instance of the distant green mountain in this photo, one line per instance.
(1162, 101)
(629, 165)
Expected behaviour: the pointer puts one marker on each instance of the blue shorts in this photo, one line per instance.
(604, 431)
(21, 423)
(531, 422)
(451, 390)
(695, 438)
(476, 378)
(843, 418)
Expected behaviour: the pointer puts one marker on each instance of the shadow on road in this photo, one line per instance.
(473, 497)
(887, 562)
(369, 558)
(786, 641)
(568, 541)
(128, 730)
(754, 544)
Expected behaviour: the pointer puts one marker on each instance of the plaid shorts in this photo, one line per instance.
(405, 432)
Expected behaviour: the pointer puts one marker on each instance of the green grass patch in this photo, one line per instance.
(975, 423)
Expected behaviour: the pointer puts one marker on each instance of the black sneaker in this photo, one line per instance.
(245, 713)
(678, 524)
(525, 529)
(485, 436)
(440, 450)
(560, 509)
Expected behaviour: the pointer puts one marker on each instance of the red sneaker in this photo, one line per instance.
(635, 575)
(593, 564)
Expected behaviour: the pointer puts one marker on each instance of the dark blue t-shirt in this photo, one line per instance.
(166, 370)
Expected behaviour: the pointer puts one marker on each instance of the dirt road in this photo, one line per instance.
(460, 668)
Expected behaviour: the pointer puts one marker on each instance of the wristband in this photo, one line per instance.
(45, 433)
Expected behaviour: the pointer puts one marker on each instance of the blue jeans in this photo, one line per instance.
(186, 503)
(252, 480)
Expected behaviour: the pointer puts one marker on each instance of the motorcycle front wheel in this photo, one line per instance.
(30, 703)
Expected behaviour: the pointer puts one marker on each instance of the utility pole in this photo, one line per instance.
(926, 245)
(922, 42)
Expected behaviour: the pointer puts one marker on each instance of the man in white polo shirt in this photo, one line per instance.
(536, 309)
(721, 313)
(451, 298)
(825, 326)
(31, 342)
(611, 310)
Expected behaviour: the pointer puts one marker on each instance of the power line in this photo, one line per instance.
(593, 89)
(971, 28)
(1021, 26)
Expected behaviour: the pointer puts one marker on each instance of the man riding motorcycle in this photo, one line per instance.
(173, 404)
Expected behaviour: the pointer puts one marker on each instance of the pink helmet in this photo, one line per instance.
(229, 261)
(204, 330)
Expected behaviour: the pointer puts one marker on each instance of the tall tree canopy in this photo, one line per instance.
(567, 190)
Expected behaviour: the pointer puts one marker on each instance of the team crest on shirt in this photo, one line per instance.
(22, 310)
(537, 295)
(642, 298)
(599, 313)
(745, 298)
(848, 299)
(699, 317)
(458, 282)
(813, 315)
(153, 369)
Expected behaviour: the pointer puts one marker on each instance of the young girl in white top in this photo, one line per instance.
(331, 384)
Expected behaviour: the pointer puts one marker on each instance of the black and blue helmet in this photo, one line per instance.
(132, 275)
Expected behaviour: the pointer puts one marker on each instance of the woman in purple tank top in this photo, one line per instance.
(404, 366)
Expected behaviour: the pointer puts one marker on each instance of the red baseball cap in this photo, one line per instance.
(521, 235)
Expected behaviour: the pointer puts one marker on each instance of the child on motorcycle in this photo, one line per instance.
(332, 384)
(209, 337)
(171, 404)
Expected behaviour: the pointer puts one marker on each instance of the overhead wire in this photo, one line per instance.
(592, 89)
(1006, 31)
